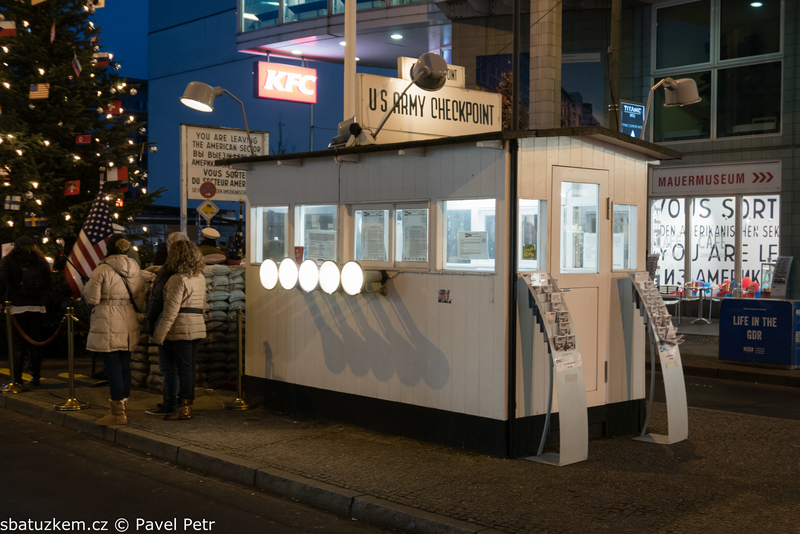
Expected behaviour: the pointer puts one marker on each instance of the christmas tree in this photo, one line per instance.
(63, 130)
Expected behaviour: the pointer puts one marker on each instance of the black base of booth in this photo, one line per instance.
(469, 432)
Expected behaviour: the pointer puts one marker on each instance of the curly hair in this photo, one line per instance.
(184, 257)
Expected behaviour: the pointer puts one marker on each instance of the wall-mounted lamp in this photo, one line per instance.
(429, 72)
(352, 279)
(355, 279)
(200, 96)
(268, 274)
(676, 93)
(308, 276)
(287, 273)
(329, 277)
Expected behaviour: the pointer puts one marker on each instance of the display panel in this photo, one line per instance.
(411, 241)
(713, 238)
(761, 229)
(271, 233)
(315, 231)
(469, 234)
(372, 235)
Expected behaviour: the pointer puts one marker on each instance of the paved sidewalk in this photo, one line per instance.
(735, 473)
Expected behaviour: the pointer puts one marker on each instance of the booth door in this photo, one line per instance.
(580, 261)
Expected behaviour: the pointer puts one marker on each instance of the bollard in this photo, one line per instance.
(239, 403)
(72, 403)
(11, 387)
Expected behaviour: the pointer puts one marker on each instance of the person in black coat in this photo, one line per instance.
(25, 278)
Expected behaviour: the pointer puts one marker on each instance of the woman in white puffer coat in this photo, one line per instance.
(116, 284)
(182, 325)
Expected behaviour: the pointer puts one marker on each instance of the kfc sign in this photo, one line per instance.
(285, 82)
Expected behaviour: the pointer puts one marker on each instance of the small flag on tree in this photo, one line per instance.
(12, 202)
(52, 32)
(117, 174)
(40, 91)
(31, 219)
(72, 187)
(76, 66)
(83, 139)
(34, 2)
(103, 58)
(4, 172)
(8, 28)
(115, 107)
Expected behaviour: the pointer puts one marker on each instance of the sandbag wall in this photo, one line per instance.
(218, 358)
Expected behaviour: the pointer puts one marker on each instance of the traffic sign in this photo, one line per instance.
(208, 209)
(208, 190)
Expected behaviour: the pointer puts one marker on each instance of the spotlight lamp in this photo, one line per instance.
(356, 280)
(200, 96)
(268, 274)
(287, 273)
(677, 93)
(308, 276)
(329, 277)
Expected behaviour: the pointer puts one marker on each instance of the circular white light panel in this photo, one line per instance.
(308, 276)
(352, 278)
(287, 273)
(329, 277)
(268, 274)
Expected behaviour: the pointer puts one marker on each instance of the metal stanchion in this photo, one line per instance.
(11, 387)
(72, 403)
(239, 403)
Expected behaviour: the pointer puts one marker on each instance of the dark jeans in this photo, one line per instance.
(182, 356)
(31, 324)
(169, 379)
(118, 369)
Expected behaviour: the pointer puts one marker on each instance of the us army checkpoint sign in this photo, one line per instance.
(201, 146)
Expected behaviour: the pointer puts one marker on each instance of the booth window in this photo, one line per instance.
(271, 233)
(315, 231)
(736, 58)
(411, 234)
(668, 239)
(532, 234)
(579, 209)
(469, 234)
(371, 235)
(624, 237)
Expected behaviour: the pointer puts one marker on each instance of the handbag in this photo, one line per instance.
(130, 294)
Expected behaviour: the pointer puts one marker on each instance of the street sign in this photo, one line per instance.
(207, 209)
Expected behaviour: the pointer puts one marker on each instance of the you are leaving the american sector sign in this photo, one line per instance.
(718, 179)
(201, 147)
(420, 114)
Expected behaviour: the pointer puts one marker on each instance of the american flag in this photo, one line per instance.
(39, 91)
(90, 248)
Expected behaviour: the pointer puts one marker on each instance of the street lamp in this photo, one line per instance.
(676, 93)
(200, 96)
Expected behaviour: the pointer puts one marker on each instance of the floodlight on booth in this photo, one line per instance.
(308, 276)
(329, 277)
(268, 274)
(287, 273)
(200, 96)
(682, 92)
(356, 280)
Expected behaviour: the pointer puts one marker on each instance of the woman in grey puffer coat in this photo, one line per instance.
(116, 284)
(182, 325)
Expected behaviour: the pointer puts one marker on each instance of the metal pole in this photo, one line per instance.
(72, 403)
(12, 386)
(239, 403)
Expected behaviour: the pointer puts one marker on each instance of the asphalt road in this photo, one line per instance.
(54, 474)
(737, 397)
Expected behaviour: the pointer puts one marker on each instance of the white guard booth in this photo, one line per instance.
(431, 358)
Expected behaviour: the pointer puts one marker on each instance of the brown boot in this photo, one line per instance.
(182, 413)
(116, 417)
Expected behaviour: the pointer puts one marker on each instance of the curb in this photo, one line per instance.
(334, 499)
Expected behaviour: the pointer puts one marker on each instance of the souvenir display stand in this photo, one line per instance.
(664, 341)
(565, 364)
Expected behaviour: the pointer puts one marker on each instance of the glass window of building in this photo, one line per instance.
(469, 234)
(315, 231)
(532, 235)
(579, 209)
(713, 239)
(761, 216)
(271, 233)
(338, 5)
(294, 10)
(736, 58)
(624, 238)
(259, 14)
(668, 239)
(372, 235)
(411, 234)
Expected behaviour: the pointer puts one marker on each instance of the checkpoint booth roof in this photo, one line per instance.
(426, 349)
